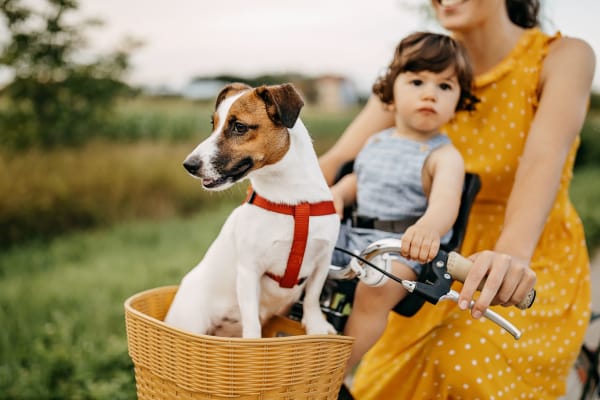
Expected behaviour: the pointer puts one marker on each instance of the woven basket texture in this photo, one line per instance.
(174, 364)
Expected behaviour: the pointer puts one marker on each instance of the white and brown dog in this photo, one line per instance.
(279, 242)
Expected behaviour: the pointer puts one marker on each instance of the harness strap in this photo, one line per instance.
(301, 213)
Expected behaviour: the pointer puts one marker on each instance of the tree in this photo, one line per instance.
(53, 99)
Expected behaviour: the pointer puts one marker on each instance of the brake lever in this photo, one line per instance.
(489, 314)
(452, 295)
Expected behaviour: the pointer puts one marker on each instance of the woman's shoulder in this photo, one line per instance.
(568, 56)
(565, 46)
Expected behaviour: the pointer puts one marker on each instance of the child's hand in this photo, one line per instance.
(420, 243)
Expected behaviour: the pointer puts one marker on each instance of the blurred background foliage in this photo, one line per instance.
(54, 99)
(95, 205)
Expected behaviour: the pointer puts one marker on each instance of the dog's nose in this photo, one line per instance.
(191, 166)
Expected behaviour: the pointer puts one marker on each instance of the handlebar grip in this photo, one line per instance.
(459, 266)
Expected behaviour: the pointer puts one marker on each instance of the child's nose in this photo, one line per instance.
(429, 92)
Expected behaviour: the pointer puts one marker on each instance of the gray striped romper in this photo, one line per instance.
(389, 187)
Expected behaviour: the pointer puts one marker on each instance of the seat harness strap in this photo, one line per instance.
(301, 213)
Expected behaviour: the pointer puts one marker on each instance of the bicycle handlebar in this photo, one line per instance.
(458, 266)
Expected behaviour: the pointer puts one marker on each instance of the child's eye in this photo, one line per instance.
(445, 86)
(416, 82)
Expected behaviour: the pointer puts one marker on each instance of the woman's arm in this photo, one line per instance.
(344, 193)
(372, 119)
(564, 94)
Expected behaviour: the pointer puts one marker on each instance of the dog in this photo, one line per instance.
(276, 245)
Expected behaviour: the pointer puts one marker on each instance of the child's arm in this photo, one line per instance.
(344, 193)
(446, 171)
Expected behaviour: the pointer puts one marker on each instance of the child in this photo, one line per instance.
(407, 180)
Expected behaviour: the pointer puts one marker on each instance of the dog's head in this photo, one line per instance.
(250, 131)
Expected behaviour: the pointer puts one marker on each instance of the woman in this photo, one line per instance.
(523, 231)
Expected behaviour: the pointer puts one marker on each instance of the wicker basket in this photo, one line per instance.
(173, 364)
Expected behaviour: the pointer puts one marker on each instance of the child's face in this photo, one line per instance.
(425, 100)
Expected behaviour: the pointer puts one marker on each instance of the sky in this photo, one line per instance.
(355, 38)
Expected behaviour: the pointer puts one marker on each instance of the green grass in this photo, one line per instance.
(61, 304)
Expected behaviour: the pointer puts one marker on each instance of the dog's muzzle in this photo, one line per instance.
(192, 166)
(220, 175)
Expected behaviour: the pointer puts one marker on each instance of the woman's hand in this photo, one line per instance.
(508, 280)
(420, 243)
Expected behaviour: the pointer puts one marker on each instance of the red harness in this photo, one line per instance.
(301, 214)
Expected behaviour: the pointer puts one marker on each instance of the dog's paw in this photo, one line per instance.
(318, 326)
(251, 333)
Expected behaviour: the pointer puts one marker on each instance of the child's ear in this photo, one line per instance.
(391, 107)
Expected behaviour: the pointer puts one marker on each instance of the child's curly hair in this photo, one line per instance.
(426, 51)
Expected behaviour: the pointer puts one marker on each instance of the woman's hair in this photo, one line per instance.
(434, 52)
(523, 12)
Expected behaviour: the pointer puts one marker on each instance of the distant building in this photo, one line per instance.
(335, 93)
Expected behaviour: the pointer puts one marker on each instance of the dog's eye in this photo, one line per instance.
(239, 128)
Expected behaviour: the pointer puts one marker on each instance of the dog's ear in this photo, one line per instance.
(230, 89)
(283, 103)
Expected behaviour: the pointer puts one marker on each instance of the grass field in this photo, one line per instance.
(61, 304)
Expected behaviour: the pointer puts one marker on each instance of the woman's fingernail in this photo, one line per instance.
(463, 305)
(476, 314)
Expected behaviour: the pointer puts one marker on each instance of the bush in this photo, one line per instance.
(54, 100)
(589, 149)
(585, 193)
(47, 115)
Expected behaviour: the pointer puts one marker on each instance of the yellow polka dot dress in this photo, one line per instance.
(443, 353)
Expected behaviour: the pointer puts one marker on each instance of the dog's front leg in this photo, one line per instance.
(248, 293)
(313, 319)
